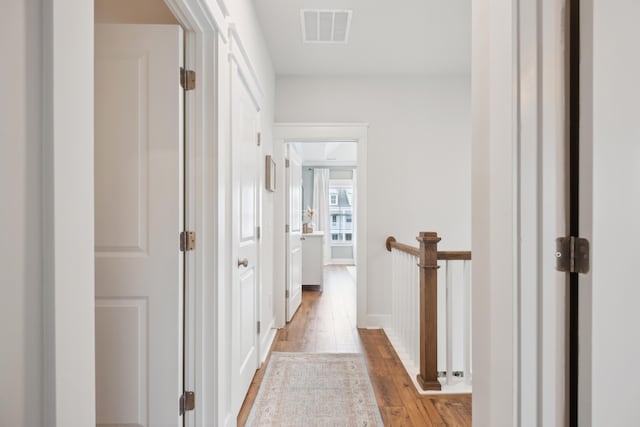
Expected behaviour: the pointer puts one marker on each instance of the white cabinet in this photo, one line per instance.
(312, 258)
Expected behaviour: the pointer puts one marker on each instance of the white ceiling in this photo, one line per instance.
(396, 37)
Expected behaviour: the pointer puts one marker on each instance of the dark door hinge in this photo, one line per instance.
(258, 327)
(187, 79)
(286, 293)
(259, 139)
(258, 232)
(572, 255)
(187, 402)
(287, 228)
(287, 163)
(187, 241)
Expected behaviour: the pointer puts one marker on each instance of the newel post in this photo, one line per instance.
(428, 376)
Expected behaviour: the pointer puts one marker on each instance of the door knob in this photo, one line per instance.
(303, 238)
(243, 262)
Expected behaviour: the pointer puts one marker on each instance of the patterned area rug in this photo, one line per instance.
(315, 389)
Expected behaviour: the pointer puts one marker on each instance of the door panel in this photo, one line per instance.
(138, 202)
(244, 115)
(609, 203)
(294, 247)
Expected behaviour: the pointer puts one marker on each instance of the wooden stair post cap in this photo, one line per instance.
(428, 237)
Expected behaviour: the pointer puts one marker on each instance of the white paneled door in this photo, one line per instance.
(138, 216)
(245, 206)
(294, 244)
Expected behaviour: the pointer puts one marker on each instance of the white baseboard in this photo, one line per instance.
(338, 261)
(230, 420)
(378, 321)
(457, 387)
(267, 341)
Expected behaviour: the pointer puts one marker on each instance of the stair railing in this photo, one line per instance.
(415, 314)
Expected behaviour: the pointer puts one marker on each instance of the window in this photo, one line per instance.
(341, 210)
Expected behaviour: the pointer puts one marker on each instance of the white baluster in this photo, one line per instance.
(396, 292)
(416, 307)
(449, 321)
(466, 341)
(405, 318)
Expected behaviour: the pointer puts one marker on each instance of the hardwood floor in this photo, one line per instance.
(325, 322)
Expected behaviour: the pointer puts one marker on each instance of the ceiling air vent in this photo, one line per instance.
(325, 26)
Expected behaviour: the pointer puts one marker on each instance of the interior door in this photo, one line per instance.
(245, 180)
(138, 217)
(294, 244)
(609, 211)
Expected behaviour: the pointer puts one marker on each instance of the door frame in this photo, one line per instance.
(518, 196)
(322, 132)
(68, 211)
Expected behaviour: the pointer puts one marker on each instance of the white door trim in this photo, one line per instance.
(320, 132)
(68, 297)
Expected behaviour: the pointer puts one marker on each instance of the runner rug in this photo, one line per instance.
(315, 389)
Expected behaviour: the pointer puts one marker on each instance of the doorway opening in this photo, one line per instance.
(320, 211)
(320, 215)
(143, 280)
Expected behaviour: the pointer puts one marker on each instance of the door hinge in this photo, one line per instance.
(187, 402)
(286, 163)
(187, 241)
(258, 327)
(259, 139)
(572, 255)
(187, 79)
(258, 232)
(286, 293)
(286, 228)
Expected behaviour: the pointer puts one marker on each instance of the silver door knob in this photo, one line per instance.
(303, 238)
(243, 262)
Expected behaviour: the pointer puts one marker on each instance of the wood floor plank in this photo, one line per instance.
(396, 416)
(325, 322)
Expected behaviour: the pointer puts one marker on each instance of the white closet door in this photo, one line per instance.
(138, 213)
(294, 252)
(245, 277)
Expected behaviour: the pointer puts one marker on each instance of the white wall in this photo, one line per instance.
(419, 157)
(21, 351)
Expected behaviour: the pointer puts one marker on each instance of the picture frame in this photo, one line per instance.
(270, 174)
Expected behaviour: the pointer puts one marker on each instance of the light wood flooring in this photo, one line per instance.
(325, 322)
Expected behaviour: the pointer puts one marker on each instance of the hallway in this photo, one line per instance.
(325, 322)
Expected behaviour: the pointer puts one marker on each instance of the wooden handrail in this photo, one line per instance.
(428, 256)
(454, 255)
(392, 244)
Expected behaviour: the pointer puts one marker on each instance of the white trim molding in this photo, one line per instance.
(68, 213)
(321, 132)
(246, 70)
(205, 31)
